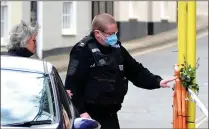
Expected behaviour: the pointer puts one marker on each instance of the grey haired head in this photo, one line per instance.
(20, 34)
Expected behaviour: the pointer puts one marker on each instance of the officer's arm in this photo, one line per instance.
(138, 74)
(76, 76)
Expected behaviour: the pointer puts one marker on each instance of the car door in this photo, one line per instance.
(65, 99)
(67, 107)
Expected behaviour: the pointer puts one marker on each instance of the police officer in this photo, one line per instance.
(99, 70)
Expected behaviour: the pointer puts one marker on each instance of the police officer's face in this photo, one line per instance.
(102, 35)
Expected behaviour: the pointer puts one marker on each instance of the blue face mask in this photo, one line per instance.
(111, 40)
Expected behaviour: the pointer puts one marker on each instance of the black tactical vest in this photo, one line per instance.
(107, 83)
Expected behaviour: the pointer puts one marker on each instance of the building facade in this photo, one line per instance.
(12, 12)
(137, 19)
(63, 23)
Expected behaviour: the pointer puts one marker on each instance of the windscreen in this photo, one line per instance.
(26, 96)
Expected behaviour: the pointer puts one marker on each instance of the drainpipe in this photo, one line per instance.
(150, 24)
(39, 47)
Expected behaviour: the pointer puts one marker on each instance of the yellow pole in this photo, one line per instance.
(182, 54)
(182, 31)
(191, 55)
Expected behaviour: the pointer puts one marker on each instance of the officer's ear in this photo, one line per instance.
(96, 33)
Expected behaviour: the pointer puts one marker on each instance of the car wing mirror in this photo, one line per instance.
(86, 123)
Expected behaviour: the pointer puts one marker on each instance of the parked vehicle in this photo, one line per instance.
(33, 95)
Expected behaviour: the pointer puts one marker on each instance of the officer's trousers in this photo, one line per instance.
(107, 119)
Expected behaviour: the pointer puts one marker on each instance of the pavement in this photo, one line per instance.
(142, 44)
(153, 108)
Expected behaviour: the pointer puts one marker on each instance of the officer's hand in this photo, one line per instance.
(69, 93)
(164, 82)
(85, 115)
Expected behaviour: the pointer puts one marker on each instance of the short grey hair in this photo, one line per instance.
(20, 34)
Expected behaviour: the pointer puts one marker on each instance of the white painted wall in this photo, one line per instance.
(124, 10)
(52, 32)
(17, 11)
(163, 10)
(202, 8)
(121, 10)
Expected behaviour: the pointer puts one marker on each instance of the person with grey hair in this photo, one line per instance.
(22, 39)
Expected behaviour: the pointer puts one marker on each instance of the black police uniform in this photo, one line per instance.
(98, 78)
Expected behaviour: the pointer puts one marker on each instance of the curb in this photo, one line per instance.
(152, 44)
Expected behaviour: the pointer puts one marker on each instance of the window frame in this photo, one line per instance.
(131, 11)
(164, 10)
(62, 92)
(53, 98)
(5, 21)
(72, 30)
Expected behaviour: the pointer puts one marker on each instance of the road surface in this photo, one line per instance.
(153, 109)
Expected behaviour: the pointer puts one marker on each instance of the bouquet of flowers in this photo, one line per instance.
(187, 76)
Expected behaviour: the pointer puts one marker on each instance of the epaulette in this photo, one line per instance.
(84, 41)
(81, 44)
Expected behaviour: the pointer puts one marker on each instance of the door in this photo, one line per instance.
(68, 113)
(177, 12)
(102, 7)
(4, 22)
(33, 11)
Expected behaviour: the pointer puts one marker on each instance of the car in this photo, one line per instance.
(33, 95)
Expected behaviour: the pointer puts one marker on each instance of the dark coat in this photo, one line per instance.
(21, 52)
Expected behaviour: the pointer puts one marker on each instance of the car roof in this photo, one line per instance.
(25, 64)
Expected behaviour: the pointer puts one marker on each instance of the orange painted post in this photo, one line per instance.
(177, 105)
(174, 110)
(175, 119)
(175, 122)
(184, 106)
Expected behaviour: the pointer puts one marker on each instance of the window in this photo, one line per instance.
(164, 10)
(27, 96)
(67, 107)
(4, 20)
(132, 13)
(69, 18)
(33, 11)
(102, 6)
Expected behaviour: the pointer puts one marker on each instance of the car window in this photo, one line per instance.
(66, 105)
(74, 111)
(26, 96)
